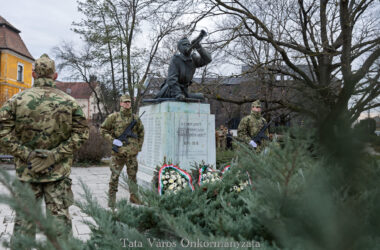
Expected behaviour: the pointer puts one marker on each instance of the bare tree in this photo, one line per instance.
(337, 40)
(81, 65)
(113, 31)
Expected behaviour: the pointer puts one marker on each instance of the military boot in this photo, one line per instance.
(133, 199)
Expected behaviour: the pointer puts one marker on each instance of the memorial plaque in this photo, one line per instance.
(183, 133)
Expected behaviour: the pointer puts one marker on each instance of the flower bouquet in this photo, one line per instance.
(172, 179)
(241, 184)
(207, 175)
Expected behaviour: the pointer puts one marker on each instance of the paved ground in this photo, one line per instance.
(96, 178)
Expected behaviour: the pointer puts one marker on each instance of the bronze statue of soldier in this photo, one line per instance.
(182, 68)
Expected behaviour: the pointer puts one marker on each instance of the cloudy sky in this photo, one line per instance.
(43, 23)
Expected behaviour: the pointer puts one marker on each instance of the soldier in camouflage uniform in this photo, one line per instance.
(41, 127)
(222, 137)
(250, 125)
(111, 129)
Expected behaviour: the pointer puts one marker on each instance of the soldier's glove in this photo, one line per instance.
(253, 144)
(23, 153)
(31, 156)
(117, 143)
(43, 160)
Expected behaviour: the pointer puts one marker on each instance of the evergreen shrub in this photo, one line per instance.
(299, 199)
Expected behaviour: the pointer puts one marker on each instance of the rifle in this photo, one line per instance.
(261, 135)
(125, 135)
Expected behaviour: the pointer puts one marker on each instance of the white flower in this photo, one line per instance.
(171, 187)
(173, 177)
(165, 182)
(184, 185)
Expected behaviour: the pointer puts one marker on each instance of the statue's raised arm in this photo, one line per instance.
(182, 68)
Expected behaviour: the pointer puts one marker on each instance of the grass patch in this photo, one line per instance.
(224, 157)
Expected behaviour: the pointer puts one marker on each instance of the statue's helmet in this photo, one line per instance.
(183, 44)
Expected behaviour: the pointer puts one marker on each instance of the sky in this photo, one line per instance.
(44, 24)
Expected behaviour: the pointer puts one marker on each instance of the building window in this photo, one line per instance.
(20, 72)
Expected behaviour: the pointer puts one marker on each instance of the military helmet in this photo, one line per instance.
(44, 66)
(125, 98)
(256, 104)
(183, 39)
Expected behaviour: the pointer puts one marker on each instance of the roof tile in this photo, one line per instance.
(79, 90)
(10, 39)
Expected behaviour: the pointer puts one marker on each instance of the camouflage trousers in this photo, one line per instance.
(117, 165)
(221, 143)
(58, 198)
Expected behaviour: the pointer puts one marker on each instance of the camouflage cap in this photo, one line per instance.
(44, 66)
(256, 104)
(125, 98)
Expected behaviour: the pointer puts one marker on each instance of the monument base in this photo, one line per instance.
(182, 133)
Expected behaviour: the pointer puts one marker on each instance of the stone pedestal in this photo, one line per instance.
(181, 132)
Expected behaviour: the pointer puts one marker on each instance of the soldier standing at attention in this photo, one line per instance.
(114, 125)
(221, 137)
(223, 140)
(42, 127)
(251, 124)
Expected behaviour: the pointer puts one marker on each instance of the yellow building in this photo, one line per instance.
(15, 62)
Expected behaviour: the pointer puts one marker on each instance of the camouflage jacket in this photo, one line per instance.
(249, 126)
(42, 117)
(222, 133)
(114, 126)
